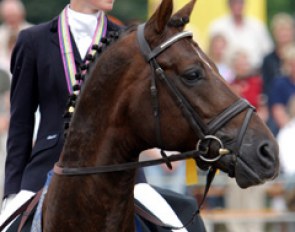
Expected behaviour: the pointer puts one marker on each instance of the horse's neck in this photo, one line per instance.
(99, 127)
(97, 136)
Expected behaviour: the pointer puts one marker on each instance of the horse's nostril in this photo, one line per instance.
(263, 150)
(266, 154)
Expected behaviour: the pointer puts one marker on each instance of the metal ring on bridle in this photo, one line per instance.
(212, 137)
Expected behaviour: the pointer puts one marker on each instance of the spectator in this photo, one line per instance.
(13, 21)
(247, 83)
(282, 27)
(283, 88)
(285, 140)
(217, 52)
(245, 32)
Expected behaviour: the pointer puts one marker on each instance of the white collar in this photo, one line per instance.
(83, 28)
(82, 22)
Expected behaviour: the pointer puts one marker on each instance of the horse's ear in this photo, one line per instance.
(181, 17)
(161, 17)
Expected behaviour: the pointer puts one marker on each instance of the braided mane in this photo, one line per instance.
(82, 74)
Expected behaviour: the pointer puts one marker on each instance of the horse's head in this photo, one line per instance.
(156, 87)
(153, 87)
(195, 105)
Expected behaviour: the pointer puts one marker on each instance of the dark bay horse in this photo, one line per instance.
(116, 118)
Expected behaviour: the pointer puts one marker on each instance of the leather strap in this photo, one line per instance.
(78, 171)
(29, 210)
(13, 216)
(229, 113)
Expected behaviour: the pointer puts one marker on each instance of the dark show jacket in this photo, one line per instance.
(38, 80)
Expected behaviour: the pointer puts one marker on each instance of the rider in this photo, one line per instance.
(39, 80)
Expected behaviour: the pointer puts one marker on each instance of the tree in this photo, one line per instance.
(275, 6)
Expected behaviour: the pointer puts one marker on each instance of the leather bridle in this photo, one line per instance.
(202, 130)
(205, 132)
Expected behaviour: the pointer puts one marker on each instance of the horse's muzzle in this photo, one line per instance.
(264, 166)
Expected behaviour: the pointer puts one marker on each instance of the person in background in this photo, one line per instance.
(247, 82)
(243, 32)
(13, 16)
(217, 52)
(283, 88)
(285, 140)
(283, 31)
(281, 103)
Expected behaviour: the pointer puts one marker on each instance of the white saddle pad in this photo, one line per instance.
(155, 203)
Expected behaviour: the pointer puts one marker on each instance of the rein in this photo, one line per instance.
(80, 171)
(64, 171)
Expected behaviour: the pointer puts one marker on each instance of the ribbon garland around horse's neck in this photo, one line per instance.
(66, 47)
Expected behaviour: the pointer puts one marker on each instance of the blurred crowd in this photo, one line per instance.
(259, 65)
(257, 62)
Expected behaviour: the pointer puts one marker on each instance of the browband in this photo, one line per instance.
(145, 48)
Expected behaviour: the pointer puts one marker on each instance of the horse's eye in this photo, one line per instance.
(193, 75)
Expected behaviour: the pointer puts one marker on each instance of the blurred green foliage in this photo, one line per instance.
(275, 6)
(129, 10)
(43, 10)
